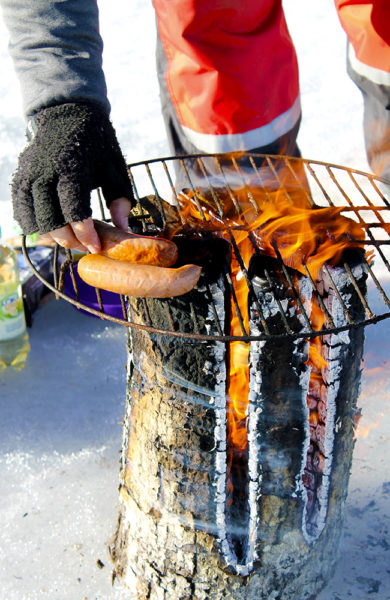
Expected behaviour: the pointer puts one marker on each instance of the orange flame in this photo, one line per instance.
(238, 382)
(315, 357)
(303, 233)
(305, 236)
(316, 361)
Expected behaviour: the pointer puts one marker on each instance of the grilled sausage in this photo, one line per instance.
(142, 281)
(122, 245)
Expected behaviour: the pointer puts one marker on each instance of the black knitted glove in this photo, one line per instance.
(73, 151)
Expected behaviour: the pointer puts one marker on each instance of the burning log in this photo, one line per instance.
(202, 517)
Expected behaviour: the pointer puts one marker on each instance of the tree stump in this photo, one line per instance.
(180, 536)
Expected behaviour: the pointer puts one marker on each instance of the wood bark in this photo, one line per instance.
(175, 538)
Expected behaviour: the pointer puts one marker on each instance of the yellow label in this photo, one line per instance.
(12, 321)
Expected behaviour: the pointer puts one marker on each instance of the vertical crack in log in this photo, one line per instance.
(324, 388)
(237, 418)
(321, 417)
(237, 505)
(278, 417)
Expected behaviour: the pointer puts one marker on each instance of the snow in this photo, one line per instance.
(60, 432)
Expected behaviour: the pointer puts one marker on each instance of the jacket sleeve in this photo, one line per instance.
(367, 26)
(57, 51)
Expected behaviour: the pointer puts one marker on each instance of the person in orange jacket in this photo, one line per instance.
(367, 25)
(228, 77)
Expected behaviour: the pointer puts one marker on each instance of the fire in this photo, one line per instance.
(283, 221)
(305, 235)
(315, 357)
(238, 382)
(316, 361)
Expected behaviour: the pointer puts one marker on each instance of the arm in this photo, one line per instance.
(57, 52)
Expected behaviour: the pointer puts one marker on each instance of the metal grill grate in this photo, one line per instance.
(360, 196)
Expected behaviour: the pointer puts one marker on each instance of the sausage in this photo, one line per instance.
(122, 245)
(142, 281)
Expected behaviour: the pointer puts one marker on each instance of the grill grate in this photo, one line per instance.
(360, 196)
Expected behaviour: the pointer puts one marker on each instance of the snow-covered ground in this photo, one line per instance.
(60, 432)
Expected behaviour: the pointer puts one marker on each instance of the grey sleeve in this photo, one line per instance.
(57, 51)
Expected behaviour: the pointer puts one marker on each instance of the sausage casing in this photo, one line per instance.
(146, 250)
(142, 281)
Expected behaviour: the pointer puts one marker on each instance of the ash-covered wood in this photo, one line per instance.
(176, 538)
(174, 434)
(305, 462)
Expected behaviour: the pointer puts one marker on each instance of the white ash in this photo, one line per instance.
(228, 553)
(254, 459)
(289, 305)
(305, 294)
(300, 369)
(270, 307)
(207, 367)
(331, 408)
(216, 290)
(342, 281)
(220, 430)
(323, 496)
(334, 343)
(304, 380)
(254, 471)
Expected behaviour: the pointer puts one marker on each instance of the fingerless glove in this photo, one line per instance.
(74, 149)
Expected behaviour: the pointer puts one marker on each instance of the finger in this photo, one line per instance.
(114, 177)
(86, 234)
(74, 191)
(46, 206)
(23, 204)
(65, 237)
(120, 210)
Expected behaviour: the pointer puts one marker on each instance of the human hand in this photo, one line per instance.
(74, 150)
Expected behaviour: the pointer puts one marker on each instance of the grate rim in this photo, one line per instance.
(315, 171)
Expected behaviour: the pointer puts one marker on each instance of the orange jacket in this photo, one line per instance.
(232, 72)
(367, 25)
